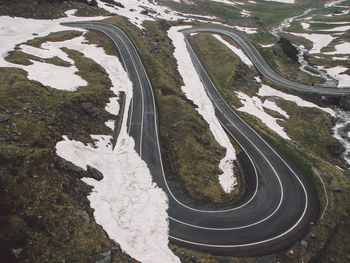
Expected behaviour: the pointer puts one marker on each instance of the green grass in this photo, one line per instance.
(19, 57)
(54, 37)
(272, 13)
(263, 37)
(309, 127)
(278, 61)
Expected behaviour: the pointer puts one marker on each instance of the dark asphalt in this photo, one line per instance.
(278, 214)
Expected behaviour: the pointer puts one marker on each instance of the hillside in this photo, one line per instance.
(67, 195)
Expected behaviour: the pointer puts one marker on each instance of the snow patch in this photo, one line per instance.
(110, 124)
(267, 91)
(305, 25)
(267, 45)
(245, 13)
(239, 52)
(228, 2)
(282, 1)
(113, 106)
(17, 30)
(62, 78)
(127, 189)
(195, 91)
(248, 30)
(337, 73)
(319, 40)
(125, 193)
(337, 29)
(343, 48)
(255, 107)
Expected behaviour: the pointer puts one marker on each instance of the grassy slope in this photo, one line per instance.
(165, 81)
(41, 193)
(310, 127)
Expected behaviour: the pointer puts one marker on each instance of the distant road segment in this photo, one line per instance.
(260, 63)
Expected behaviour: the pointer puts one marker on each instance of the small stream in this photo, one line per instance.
(302, 52)
(342, 116)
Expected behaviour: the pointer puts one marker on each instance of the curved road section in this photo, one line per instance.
(283, 204)
(260, 63)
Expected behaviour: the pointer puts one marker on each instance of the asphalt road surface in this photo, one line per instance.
(282, 203)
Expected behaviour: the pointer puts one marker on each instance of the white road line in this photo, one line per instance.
(138, 77)
(325, 192)
(161, 163)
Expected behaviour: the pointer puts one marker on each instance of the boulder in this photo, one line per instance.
(348, 256)
(337, 189)
(16, 251)
(3, 118)
(107, 257)
(175, 126)
(94, 173)
(327, 176)
(83, 215)
(90, 109)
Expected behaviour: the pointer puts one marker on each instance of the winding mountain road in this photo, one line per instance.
(282, 203)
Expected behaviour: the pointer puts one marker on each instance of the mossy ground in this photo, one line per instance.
(41, 194)
(310, 130)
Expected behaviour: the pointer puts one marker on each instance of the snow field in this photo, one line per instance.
(267, 91)
(239, 52)
(305, 25)
(195, 91)
(337, 73)
(323, 40)
(255, 106)
(319, 40)
(133, 9)
(127, 191)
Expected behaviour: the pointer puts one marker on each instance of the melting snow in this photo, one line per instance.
(239, 52)
(245, 13)
(337, 29)
(336, 72)
(228, 2)
(282, 1)
(343, 48)
(319, 41)
(127, 189)
(267, 91)
(305, 25)
(267, 45)
(254, 106)
(248, 30)
(195, 91)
